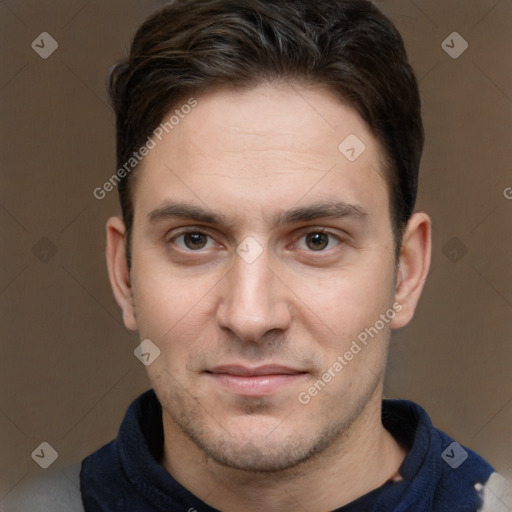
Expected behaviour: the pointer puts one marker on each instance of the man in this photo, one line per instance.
(268, 155)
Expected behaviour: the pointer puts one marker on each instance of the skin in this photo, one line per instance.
(250, 157)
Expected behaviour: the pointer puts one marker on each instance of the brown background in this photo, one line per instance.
(67, 366)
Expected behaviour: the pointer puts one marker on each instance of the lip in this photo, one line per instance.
(255, 381)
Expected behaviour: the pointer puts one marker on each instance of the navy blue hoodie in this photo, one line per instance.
(438, 474)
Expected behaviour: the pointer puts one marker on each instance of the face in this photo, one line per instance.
(261, 257)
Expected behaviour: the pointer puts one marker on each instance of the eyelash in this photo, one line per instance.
(315, 231)
(194, 231)
(303, 234)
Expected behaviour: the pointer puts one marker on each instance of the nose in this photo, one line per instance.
(253, 300)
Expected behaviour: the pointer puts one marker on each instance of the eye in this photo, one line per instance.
(317, 241)
(194, 241)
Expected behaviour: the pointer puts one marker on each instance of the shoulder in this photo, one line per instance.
(52, 492)
(465, 472)
(459, 478)
(496, 494)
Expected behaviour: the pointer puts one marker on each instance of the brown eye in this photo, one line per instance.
(195, 241)
(317, 241)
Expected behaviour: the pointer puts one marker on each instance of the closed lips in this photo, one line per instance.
(244, 371)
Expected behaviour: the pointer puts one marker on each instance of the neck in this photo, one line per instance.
(361, 460)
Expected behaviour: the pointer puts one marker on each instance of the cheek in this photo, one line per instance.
(349, 300)
(172, 307)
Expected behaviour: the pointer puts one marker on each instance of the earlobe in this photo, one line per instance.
(413, 267)
(118, 271)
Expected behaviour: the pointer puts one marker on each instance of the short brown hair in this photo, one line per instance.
(192, 46)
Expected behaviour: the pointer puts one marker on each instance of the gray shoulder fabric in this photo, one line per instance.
(52, 492)
(496, 494)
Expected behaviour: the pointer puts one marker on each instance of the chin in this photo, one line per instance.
(260, 456)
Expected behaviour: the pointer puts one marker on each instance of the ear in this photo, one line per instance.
(118, 270)
(413, 267)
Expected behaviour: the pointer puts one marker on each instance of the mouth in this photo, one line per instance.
(254, 381)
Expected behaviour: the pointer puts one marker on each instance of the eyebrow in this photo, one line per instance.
(185, 211)
(324, 209)
(320, 210)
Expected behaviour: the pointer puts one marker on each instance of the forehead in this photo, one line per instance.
(263, 148)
